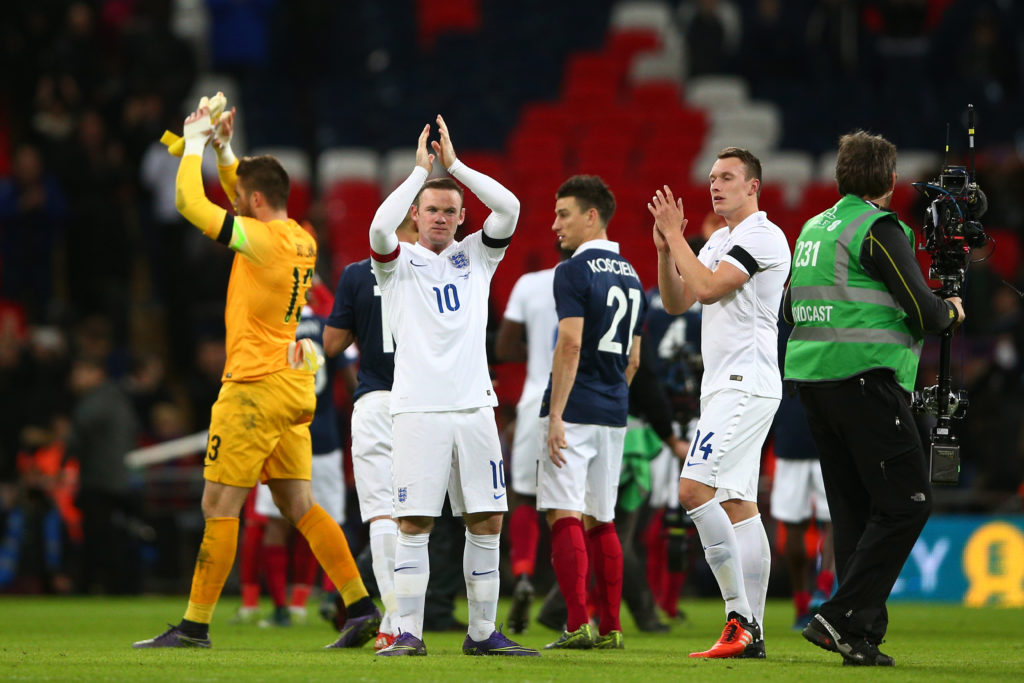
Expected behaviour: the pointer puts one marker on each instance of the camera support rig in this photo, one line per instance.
(951, 231)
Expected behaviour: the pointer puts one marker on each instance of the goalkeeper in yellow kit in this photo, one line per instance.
(259, 426)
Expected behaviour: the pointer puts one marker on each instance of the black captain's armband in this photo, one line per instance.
(226, 230)
(743, 256)
(495, 243)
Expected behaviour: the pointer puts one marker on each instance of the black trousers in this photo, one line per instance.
(878, 490)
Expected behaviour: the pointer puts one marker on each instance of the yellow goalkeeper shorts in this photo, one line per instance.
(260, 430)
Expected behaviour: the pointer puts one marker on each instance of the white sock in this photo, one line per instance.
(722, 553)
(480, 567)
(383, 540)
(756, 562)
(412, 571)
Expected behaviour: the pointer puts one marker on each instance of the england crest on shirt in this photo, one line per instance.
(459, 259)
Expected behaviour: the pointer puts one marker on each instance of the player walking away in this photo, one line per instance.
(259, 426)
(357, 317)
(444, 437)
(798, 495)
(328, 491)
(527, 333)
(600, 305)
(739, 277)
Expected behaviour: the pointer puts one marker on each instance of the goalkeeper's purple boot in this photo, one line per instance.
(357, 631)
(173, 637)
(496, 644)
(405, 644)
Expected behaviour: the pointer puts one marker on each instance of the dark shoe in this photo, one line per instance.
(522, 596)
(753, 651)
(405, 644)
(173, 637)
(736, 636)
(653, 625)
(357, 631)
(496, 644)
(580, 639)
(610, 641)
(282, 616)
(855, 651)
(553, 612)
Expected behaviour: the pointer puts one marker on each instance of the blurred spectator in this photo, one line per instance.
(203, 385)
(103, 430)
(146, 388)
(32, 212)
(712, 30)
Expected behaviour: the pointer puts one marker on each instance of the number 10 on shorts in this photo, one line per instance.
(498, 476)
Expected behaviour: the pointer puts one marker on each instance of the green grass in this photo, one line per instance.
(88, 639)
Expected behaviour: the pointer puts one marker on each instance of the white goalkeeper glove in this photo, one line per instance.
(302, 355)
(224, 126)
(197, 129)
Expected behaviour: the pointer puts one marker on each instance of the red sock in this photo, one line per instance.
(275, 559)
(669, 602)
(657, 556)
(249, 564)
(326, 583)
(826, 580)
(523, 533)
(569, 559)
(606, 557)
(802, 602)
(304, 568)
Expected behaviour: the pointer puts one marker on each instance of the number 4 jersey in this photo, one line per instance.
(436, 306)
(601, 287)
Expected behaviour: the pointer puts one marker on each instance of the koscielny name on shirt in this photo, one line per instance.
(812, 314)
(607, 265)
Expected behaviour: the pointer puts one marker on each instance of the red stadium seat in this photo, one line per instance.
(624, 45)
(433, 18)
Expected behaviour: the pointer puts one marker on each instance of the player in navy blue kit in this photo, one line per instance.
(357, 316)
(600, 304)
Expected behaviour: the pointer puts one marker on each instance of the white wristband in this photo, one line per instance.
(225, 155)
(194, 146)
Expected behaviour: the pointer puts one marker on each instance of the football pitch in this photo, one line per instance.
(88, 639)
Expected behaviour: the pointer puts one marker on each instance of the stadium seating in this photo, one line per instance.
(296, 163)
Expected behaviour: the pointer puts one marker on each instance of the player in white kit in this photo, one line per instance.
(527, 333)
(739, 277)
(445, 438)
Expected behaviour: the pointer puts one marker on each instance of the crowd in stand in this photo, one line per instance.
(111, 332)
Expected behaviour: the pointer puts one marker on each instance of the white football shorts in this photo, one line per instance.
(588, 481)
(371, 453)
(457, 452)
(798, 492)
(527, 447)
(725, 451)
(328, 489)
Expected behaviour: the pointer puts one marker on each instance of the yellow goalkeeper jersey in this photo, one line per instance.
(272, 270)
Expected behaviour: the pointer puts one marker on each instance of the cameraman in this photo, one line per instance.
(860, 305)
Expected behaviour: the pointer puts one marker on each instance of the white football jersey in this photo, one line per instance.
(532, 304)
(739, 332)
(437, 310)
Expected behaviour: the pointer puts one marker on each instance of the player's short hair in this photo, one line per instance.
(751, 164)
(441, 184)
(590, 192)
(265, 174)
(865, 164)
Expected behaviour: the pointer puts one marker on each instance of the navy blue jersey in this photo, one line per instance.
(601, 287)
(357, 308)
(324, 428)
(672, 337)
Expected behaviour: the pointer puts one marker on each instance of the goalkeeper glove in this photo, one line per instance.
(302, 355)
(197, 132)
(176, 144)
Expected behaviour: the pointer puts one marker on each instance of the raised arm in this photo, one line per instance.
(394, 209)
(189, 197)
(503, 204)
(706, 286)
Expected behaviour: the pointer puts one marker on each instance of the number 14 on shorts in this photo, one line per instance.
(703, 445)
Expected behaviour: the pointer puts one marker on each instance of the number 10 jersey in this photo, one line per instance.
(436, 306)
